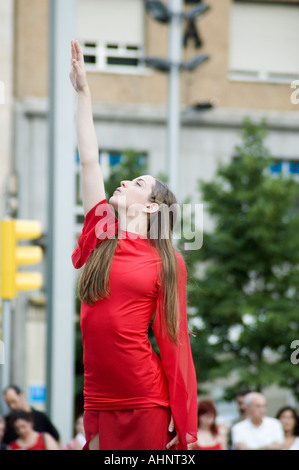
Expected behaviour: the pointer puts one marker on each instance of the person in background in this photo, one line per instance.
(16, 400)
(28, 438)
(257, 431)
(240, 397)
(290, 423)
(209, 435)
(79, 441)
(2, 431)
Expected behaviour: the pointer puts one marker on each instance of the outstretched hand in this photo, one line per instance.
(78, 73)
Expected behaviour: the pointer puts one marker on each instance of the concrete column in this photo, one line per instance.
(6, 94)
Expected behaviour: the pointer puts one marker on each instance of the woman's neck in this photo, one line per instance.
(137, 225)
(205, 428)
(288, 434)
(29, 438)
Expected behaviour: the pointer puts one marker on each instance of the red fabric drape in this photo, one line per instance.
(178, 365)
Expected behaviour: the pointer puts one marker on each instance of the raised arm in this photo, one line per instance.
(91, 174)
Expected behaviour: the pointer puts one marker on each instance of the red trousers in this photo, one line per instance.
(136, 429)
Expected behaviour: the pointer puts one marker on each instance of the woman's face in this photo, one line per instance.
(80, 425)
(22, 427)
(136, 192)
(206, 419)
(287, 420)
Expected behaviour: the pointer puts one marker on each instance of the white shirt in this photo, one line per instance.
(295, 445)
(81, 439)
(254, 437)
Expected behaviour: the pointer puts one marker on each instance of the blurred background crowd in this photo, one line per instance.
(29, 429)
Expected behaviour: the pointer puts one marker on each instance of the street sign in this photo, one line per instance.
(37, 394)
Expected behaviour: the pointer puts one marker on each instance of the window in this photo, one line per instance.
(288, 168)
(111, 33)
(264, 40)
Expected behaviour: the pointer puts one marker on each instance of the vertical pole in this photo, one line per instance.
(173, 134)
(6, 342)
(60, 279)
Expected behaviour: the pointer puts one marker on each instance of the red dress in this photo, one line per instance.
(39, 444)
(128, 390)
(217, 446)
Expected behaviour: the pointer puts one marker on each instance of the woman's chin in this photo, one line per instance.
(113, 201)
(116, 203)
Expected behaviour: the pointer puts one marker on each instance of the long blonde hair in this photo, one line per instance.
(94, 280)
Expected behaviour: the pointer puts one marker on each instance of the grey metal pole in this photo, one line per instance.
(173, 133)
(60, 281)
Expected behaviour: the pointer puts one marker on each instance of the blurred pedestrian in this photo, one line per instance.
(210, 436)
(28, 438)
(290, 423)
(240, 397)
(257, 431)
(133, 278)
(78, 442)
(2, 431)
(16, 400)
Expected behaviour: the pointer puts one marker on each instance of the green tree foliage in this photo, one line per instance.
(244, 281)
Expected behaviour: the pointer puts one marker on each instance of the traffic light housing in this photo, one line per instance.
(14, 255)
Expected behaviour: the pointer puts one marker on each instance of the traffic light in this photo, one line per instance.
(14, 255)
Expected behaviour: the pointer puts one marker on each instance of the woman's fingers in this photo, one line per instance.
(76, 50)
(171, 425)
(79, 52)
(74, 53)
(174, 441)
(77, 73)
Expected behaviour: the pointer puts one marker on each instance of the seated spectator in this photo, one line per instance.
(257, 431)
(28, 438)
(209, 435)
(240, 397)
(2, 431)
(16, 400)
(290, 423)
(78, 442)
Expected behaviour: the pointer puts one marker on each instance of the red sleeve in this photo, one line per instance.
(178, 366)
(100, 224)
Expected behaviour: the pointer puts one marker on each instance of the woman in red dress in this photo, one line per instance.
(29, 439)
(132, 279)
(210, 436)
